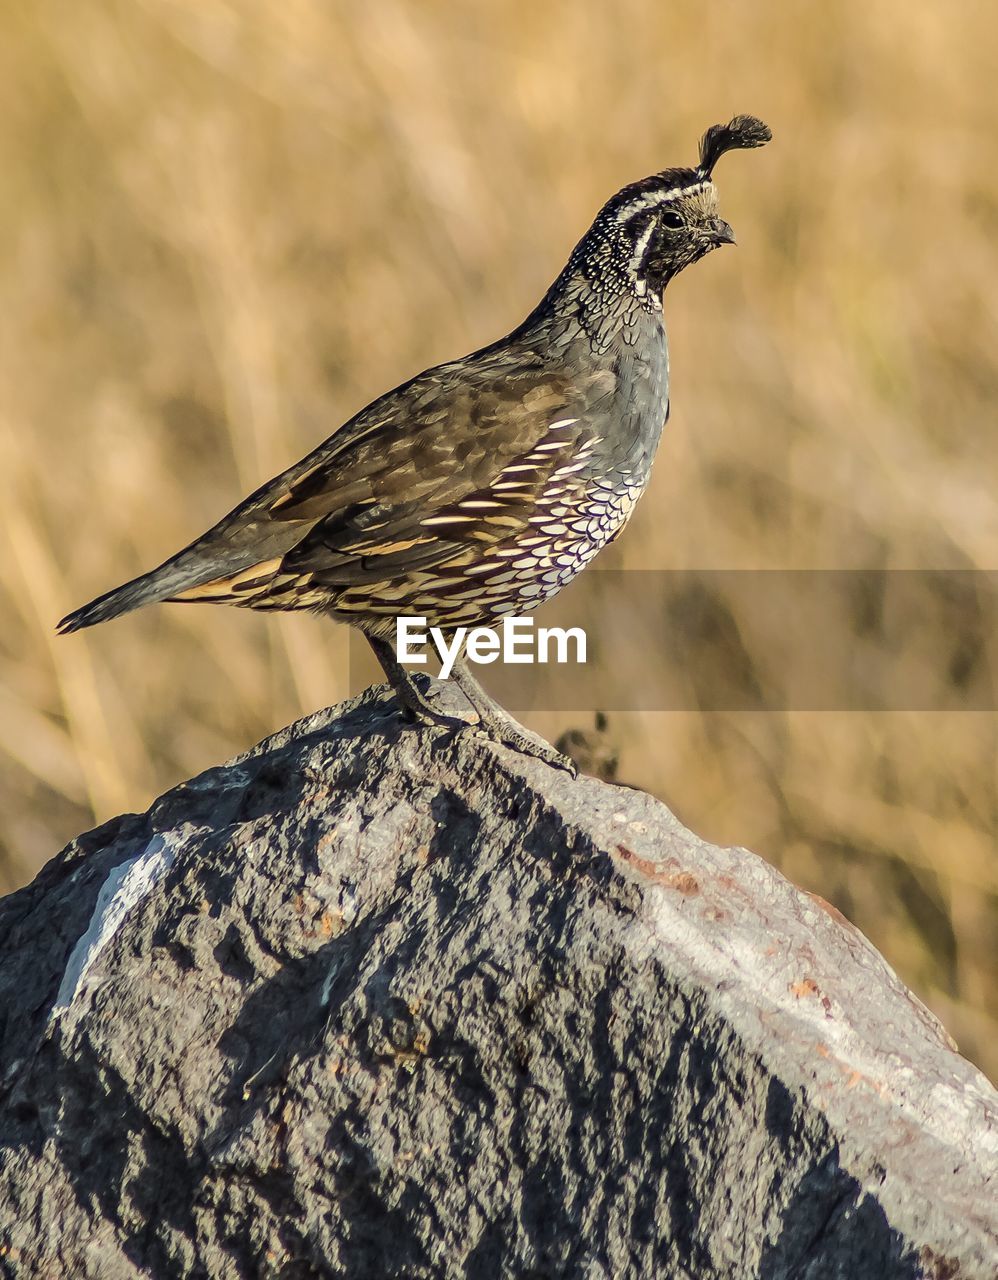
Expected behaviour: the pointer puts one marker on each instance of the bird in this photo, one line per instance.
(482, 486)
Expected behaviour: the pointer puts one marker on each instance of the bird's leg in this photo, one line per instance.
(499, 725)
(415, 703)
(492, 719)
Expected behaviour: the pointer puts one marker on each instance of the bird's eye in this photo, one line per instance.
(672, 220)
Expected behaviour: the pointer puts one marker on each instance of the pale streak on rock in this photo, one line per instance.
(126, 885)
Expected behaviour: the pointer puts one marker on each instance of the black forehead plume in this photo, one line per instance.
(740, 132)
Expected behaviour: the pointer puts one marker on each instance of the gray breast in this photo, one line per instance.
(572, 527)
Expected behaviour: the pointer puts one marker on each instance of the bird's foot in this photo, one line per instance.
(494, 725)
(498, 725)
(414, 704)
(417, 708)
(491, 720)
(509, 734)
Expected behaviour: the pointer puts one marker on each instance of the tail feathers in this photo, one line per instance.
(165, 583)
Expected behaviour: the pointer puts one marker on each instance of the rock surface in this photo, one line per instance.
(373, 1002)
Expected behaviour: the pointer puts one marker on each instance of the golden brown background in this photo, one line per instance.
(226, 226)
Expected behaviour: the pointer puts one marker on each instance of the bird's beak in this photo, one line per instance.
(720, 233)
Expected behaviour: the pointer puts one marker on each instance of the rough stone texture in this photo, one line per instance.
(377, 1002)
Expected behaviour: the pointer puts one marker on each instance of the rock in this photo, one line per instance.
(370, 1001)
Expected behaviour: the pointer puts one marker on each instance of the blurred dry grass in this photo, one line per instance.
(227, 226)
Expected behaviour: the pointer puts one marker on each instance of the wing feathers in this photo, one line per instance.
(430, 475)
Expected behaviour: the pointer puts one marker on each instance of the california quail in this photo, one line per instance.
(480, 487)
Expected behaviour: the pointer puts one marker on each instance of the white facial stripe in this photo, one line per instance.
(651, 199)
(642, 244)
